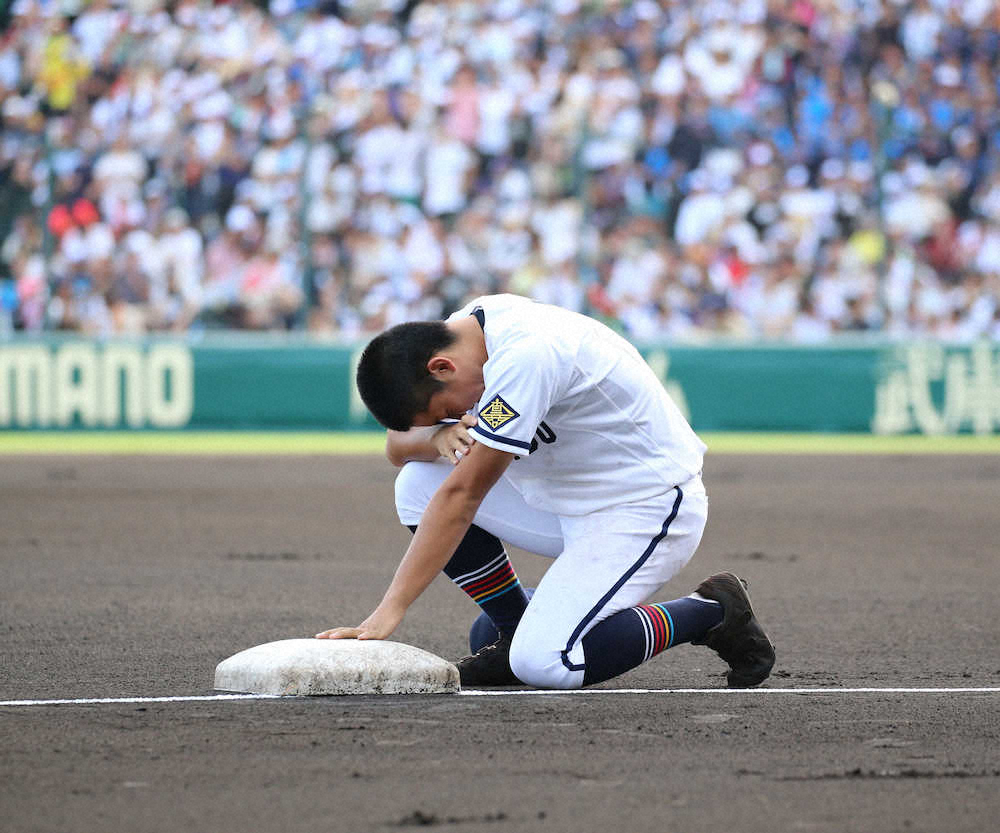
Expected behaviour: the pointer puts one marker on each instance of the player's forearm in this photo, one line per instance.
(442, 527)
(413, 445)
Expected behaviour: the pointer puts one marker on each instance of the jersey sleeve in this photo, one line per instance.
(521, 385)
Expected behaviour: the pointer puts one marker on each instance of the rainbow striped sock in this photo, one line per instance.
(632, 636)
(672, 623)
(482, 568)
(490, 581)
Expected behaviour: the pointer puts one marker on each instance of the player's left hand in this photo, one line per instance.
(379, 625)
(453, 441)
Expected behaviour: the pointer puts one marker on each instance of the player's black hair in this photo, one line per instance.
(393, 379)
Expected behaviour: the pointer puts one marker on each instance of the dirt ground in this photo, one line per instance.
(134, 576)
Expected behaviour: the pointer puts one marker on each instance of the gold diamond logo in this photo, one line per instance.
(497, 413)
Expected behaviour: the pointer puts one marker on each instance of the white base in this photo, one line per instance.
(336, 666)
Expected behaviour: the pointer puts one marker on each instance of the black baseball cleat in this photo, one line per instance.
(738, 638)
(489, 666)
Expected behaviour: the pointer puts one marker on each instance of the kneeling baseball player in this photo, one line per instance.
(522, 422)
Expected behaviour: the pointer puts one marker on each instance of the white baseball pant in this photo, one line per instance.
(604, 562)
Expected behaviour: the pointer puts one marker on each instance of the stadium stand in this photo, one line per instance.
(777, 169)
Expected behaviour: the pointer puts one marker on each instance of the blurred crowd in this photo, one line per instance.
(781, 169)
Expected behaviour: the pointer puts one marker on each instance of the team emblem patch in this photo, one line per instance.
(497, 413)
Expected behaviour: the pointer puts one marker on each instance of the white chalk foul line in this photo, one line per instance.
(734, 691)
(200, 698)
(94, 701)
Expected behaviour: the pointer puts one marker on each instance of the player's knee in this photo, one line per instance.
(414, 488)
(541, 666)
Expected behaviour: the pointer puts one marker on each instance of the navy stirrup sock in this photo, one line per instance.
(632, 636)
(481, 567)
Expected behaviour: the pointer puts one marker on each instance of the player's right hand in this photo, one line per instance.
(379, 625)
(453, 441)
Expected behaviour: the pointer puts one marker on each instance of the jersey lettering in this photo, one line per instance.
(543, 433)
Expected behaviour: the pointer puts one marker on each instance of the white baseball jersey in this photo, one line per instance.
(590, 424)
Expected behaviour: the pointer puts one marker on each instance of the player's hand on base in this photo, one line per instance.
(379, 625)
(453, 440)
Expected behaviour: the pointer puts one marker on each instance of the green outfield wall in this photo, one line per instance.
(265, 383)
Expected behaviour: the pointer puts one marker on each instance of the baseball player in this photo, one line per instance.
(522, 422)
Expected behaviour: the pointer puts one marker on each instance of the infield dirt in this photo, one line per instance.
(135, 576)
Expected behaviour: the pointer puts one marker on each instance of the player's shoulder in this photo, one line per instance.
(542, 320)
(521, 324)
(525, 328)
(497, 304)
